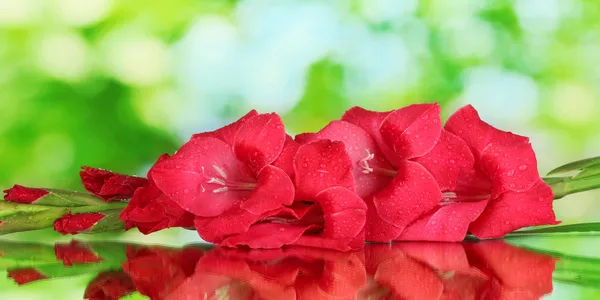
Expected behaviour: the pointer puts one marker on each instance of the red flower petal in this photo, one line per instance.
(320, 165)
(465, 286)
(335, 244)
(158, 272)
(227, 133)
(74, 224)
(344, 212)
(267, 235)
(150, 210)
(445, 257)
(412, 131)
(260, 140)
(361, 148)
(204, 177)
(446, 223)
(494, 290)
(165, 156)
(415, 281)
(23, 276)
(514, 267)
(378, 230)
(345, 217)
(109, 185)
(141, 198)
(342, 276)
(304, 138)
(466, 124)
(513, 211)
(285, 161)
(368, 120)
(450, 157)
(274, 189)
(22, 194)
(215, 271)
(147, 228)
(109, 285)
(75, 252)
(511, 167)
(234, 221)
(411, 193)
(472, 183)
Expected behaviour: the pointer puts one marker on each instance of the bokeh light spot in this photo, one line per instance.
(82, 13)
(502, 97)
(19, 12)
(63, 56)
(574, 103)
(137, 59)
(387, 10)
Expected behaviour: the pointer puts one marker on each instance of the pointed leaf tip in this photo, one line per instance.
(576, 166)
(588, 172)
(587, 228)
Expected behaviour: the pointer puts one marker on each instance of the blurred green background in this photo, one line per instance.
(114, 84)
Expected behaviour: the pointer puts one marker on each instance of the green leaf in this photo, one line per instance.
(60, 270)
(591, 280)
(555, 180)
(589, 171)
(583, 228)
(576, 166)
(572, 269)
(64, 198)
(23, 255)
(568, 185)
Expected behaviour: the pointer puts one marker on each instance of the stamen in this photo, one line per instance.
(452, 197)
(203, 189)
(217, 181)
(449, 195)
(364, 163)
(220, 190)
(220, 171)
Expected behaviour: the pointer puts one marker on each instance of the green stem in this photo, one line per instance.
(587, 177)
(563, 186)
(26, 217)
(65, 198)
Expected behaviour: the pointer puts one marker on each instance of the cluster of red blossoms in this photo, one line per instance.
(371, 176)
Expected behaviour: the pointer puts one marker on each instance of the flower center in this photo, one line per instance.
(220, 183)
(364, 164)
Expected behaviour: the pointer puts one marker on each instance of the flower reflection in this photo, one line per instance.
(291, 273)
(157, 271)
(109, 285)
(486, 270)
(415, 270)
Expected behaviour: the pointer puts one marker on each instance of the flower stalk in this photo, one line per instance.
(25, 217)
(587, 177)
